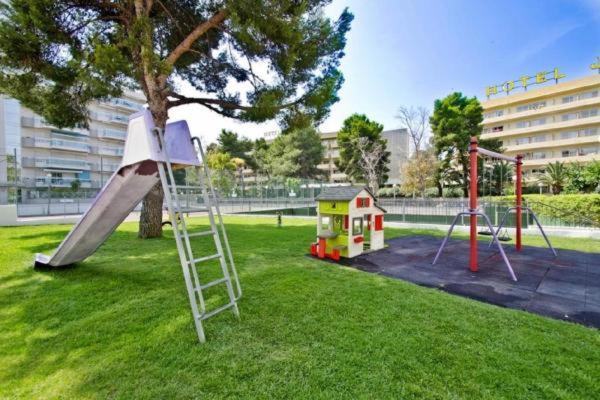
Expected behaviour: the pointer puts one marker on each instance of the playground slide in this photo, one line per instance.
(125, 189)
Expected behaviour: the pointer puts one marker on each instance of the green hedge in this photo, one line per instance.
(586, 205)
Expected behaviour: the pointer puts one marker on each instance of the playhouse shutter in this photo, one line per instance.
(367, 202)
(379, 222)
(358, 202)
(345, 222)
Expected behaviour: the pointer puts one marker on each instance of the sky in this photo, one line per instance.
(409, 53)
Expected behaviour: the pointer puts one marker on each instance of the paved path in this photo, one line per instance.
(566, 287)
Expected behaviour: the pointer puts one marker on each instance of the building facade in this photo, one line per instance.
(558, 122)
(49, 157)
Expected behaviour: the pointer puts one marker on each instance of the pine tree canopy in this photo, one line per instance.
(252, 60)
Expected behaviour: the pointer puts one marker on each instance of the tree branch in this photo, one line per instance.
(200, 30)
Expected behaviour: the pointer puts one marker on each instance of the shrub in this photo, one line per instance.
(586, 205)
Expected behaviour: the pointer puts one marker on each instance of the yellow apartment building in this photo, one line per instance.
(558, 122)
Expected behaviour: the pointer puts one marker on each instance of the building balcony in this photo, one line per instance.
(58, 144)
(63, 182)
(538, 162)
(109, 134)
(552, 126)
(124, 104)
(540, 112)
(107, 151)
(548, 144)
(34, 122)
(56, 163)
(110, 117)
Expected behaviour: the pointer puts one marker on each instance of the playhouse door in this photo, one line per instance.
(367, 231)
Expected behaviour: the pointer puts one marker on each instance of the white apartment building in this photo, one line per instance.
(51, 157)
(558, 122)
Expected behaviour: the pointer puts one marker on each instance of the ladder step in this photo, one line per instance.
(202, 259)
(216, 311)
(193, 209)
(203, 233)
(213, 283)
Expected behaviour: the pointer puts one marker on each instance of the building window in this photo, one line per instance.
(589, 132)
(498, 128)
(568, 99)
(532, 106)
(568, 135)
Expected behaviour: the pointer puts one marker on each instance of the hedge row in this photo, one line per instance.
(585, 205)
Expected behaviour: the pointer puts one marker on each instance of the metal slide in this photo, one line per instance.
(125, 189)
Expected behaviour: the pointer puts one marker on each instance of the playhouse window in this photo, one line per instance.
(357, 226)
(362, 202)
(325, 222)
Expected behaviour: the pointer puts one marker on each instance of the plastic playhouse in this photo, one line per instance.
(349, 222)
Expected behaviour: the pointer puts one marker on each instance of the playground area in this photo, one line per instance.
(118, 325)
(565, 287)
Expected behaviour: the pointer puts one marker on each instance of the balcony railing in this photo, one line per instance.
(56, 144)
(110, 117)
(109, 134)
(118, 102)
(33, 122)
(110, 151)
(55, 163)
(63, 182)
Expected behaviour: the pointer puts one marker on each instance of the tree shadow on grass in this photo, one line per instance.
(119, 325)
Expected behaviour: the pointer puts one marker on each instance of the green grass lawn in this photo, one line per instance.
(119, 326)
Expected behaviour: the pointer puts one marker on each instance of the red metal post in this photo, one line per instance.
(473, 203)
(519, 192)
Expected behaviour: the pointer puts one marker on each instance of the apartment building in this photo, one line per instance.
(558, 122)
(51, 157)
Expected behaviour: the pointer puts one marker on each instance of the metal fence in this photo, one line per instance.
(297, 197)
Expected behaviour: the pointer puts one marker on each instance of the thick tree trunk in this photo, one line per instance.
(150, 225)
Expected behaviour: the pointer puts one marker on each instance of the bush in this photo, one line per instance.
(453, 192)
(586, 205)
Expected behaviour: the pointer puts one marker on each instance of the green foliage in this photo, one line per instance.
(236, 147)
(296, 154)
(495, 178)
(583, 178)
(57, 56)
(222, 170)
(118, 326)
(354, 127)
(75, 185)
(555, 176)
(456, 118)
(563, 205)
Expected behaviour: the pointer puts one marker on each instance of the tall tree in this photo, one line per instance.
(419, 173)
(222, 168)
(416, 122)
(456, 118)
(355, 127)
(555, 177)
(236, 147)
(296, 154)
(57, 56)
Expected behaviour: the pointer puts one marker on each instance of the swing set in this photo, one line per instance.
(473, 212)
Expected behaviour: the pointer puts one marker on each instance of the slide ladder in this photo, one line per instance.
(191, 261)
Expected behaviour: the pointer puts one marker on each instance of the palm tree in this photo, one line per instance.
(555, 176)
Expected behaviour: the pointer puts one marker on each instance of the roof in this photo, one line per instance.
(345, 193)
(341, 193)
